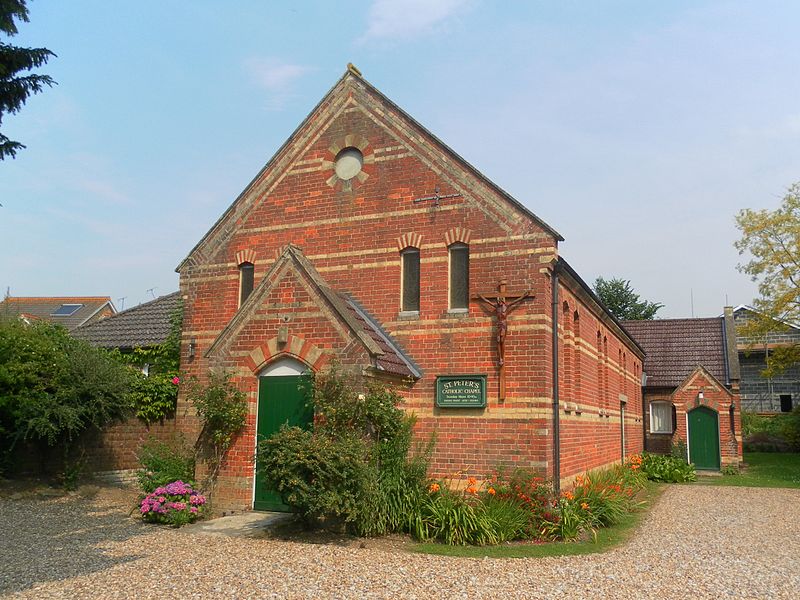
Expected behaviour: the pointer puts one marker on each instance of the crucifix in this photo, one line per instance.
(436, 197)
(502, 305)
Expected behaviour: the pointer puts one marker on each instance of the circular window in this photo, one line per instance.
(348, 163)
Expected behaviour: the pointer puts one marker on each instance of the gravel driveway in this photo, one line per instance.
(698, 542)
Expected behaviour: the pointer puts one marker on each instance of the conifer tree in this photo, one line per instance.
(17, 83)
(623, 302)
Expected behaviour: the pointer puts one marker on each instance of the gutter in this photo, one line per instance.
(556, 416)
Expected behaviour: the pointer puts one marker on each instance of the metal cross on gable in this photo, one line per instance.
(436, 197)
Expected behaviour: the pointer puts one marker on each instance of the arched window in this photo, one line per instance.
(246, 279)
(409, 280)
(600, 393)
(459, 276)
(576, 336)
(566, 359)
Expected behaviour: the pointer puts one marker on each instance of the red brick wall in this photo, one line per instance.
(350, 234)
(116, 447)
(596, 382)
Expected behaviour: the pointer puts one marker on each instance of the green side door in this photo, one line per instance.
(281, 400)
(704, 438)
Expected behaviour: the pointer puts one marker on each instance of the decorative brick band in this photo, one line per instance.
(411, 239)
(246, 256)
(457, 234)
(294, 347)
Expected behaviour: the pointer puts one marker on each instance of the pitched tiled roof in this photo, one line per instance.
(393, 360)
(144, 325)
(42, 308)
(675, 347)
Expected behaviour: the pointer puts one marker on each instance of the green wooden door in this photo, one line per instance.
(280, 400)
(704, 438)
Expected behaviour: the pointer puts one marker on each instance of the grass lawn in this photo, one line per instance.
(764, 469)
(607, 538)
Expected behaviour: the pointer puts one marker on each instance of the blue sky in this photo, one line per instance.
(635, 129)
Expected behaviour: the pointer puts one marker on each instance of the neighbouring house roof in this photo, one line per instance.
(144, 325)
(675, 347)
(69, 311)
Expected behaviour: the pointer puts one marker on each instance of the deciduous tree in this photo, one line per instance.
(772, 241)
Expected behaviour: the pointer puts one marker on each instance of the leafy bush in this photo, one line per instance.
(54, 387)
(222, 409)
(176, 504)
(771, 433)
(154, 396)
(356, 467)
(321, 477)
(667, 469)
(679, 450)
(164, 462)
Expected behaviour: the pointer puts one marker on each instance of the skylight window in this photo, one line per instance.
(66, 310)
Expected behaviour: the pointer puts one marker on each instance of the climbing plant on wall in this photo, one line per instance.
(154, 394)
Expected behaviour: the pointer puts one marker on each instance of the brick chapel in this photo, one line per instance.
(368, 241)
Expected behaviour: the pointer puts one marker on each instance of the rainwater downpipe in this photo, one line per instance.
(556, 434)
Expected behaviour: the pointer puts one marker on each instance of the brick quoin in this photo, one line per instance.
(351, 233)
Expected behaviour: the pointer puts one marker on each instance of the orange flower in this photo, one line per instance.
(434, 488)
(491, 491)
(472, 481)
(569, 495)
(634, 467)
(472, 490)
(584, 506)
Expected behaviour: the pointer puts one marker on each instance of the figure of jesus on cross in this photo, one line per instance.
(502, 305)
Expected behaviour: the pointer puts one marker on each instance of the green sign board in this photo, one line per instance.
(461, 391)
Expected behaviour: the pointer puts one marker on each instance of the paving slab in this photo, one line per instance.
(243, 525)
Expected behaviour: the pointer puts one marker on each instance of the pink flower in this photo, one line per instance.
(176, 380)
(193, 509)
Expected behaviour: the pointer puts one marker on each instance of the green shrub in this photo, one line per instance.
(54, 387)
(165, 462)
(790, 428)
(322, 478)
(154, 396)
(679, 450)
(667, 469)
(771, 433)
(357, 466)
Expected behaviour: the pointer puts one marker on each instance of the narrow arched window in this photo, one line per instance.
(459, 276)
(246, 279)
(409, 280)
